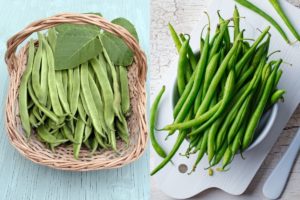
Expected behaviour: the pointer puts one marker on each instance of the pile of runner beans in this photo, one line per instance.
(222, 94)
(81, 106)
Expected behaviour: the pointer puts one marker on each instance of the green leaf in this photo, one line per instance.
(75, 45)
(127, 25)
(116, 48)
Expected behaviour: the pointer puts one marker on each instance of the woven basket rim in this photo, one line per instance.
(16, 62)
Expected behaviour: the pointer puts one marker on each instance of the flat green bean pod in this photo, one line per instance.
(23, 96)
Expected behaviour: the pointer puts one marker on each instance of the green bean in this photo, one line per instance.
(260, 54)
(240, 117)
(176, 146)
(251, 51)
(236, 22)
(201, 152)
(88, 97)
(206, 124)
(36, 113)
(100, 140)
(280, 12)
(123, 131)
(45, 135)
(116, 91)
(81, 110)
(196, 121)
(232, 62)
(52, 81)
(227, 158)
(195, 142)
(23, 95)
(201, 44)
(262, 13)
(175, 37)
(210, 72)
(44, 77)
(260, 107)
(87, 130)
(278, 94)
(230, 116)
(218, 76)
(62, 95)
(106, 89)
(94, 146)
(125, 103)
(204, 143)
(47, 112)
(213, 39)
(184, 96)
(53, 125)
(211, 147)
(218, 40)
(70, 87)
(198, 142)
(78, 136)
(191, 55)
(198, 100)
(35, 76)
(237, 142)
(65, 80)
(88, 145)
(98, 102)
(30, 103)
(75, 90)
(229, 87)
(213, 64)
(182, 63)
(226, 33)
(278, 76)
(52, 38)
(219, 155)
(196, 85)
(153, 112)
(248, 73)
(32, 120)
(66, 131)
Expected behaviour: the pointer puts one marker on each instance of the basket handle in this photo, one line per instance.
(17, 39)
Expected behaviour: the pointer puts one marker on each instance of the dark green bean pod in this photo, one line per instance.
(217, 78)
(153, 112)
(236, 22)
(280, 12)
(260, 107)
(23, 95)
(262, 13)
(199, 74)
(181, 68)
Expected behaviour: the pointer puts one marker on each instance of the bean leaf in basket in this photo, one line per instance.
(75, 45)
(117, 50)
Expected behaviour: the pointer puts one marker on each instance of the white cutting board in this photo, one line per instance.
(236, 180)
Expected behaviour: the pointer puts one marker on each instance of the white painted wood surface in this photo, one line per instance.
(185, 15)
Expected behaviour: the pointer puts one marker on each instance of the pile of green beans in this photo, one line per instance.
(85, 106)
(232, 85)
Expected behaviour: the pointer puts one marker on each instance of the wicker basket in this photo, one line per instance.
(62, 158)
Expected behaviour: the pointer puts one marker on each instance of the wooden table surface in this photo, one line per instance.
(21, 179)
(184, 15)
